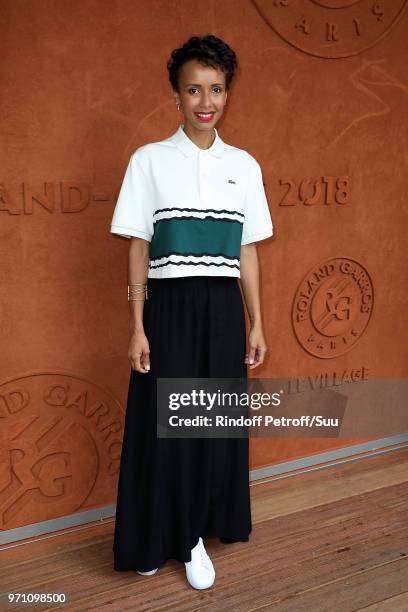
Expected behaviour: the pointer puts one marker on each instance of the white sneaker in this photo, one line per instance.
(148, 573)
(200, 570)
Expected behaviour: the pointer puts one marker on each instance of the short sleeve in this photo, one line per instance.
(258, 222)
(133, 214)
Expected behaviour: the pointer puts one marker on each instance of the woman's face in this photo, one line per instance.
(201, 90)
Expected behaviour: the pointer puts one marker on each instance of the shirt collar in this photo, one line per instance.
(188, 147)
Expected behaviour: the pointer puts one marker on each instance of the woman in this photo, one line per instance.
(193, 207)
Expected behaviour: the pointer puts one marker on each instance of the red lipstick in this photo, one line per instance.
(204, 116)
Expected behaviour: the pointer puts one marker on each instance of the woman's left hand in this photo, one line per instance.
(257, 347)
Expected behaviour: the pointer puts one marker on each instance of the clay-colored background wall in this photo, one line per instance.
(320, 99)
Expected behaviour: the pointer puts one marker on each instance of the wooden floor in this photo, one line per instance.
(334, 539)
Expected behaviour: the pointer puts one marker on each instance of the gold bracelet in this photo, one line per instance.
(132, 291)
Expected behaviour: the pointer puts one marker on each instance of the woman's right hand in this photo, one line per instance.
(139, 353)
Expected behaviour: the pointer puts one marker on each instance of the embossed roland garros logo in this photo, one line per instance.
(60, 446)
(332, 307)
(331, 28)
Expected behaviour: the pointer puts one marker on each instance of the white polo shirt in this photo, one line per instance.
(195, 206)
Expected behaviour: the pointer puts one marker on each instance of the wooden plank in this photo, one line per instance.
(312, 527)
(399, 603)
(323, 486)
(330, 551)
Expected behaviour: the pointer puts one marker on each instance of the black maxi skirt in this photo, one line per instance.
(173, 490)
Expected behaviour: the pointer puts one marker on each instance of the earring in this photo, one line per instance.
(178, 105)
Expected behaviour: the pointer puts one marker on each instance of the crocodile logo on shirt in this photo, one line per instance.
(231, 181)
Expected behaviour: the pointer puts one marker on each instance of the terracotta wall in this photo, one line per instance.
(320, 100)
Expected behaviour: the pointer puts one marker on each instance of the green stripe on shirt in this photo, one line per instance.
(211, 236)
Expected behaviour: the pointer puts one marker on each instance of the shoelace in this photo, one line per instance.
(204, 556)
